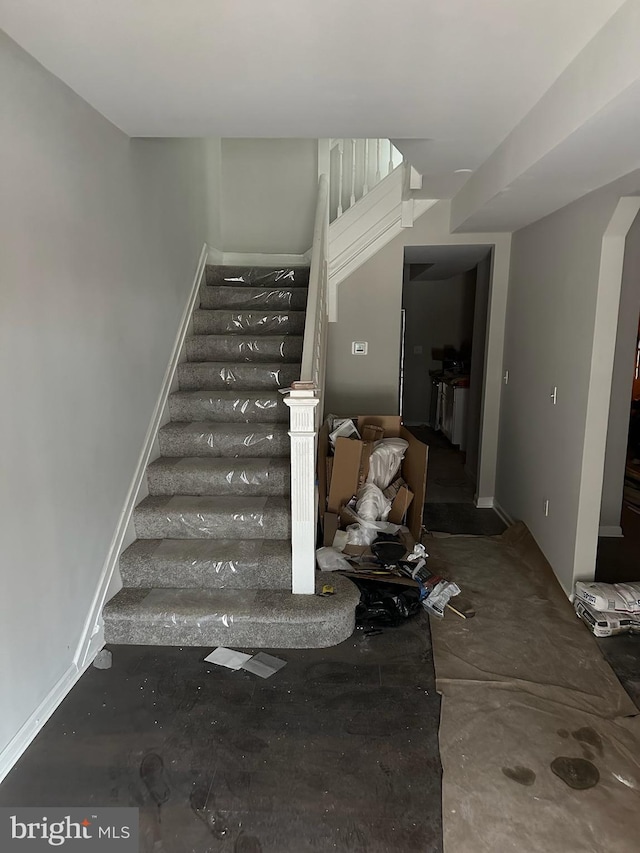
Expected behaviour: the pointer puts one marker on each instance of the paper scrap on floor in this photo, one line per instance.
(227, 657)
(263, 665)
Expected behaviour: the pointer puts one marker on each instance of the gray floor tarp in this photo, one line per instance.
(525, 687)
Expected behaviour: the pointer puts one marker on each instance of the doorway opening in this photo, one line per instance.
(445, 302)
(619, 532)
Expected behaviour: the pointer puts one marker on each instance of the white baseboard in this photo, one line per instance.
(612, 531)
(483, 503)
(92, 638)
(23, 738)
(504, 515)
(258, 259)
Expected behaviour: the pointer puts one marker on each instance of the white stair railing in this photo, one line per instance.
(357, 165)
(305, 403)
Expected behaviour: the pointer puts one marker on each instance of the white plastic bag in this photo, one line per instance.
(330, 560)
(385, 461)
(439, 597)
(371, 504)
(610, 597)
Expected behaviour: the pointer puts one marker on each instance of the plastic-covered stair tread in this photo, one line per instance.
(245, 297)
(258, 276)
(248, 348)
(229, 322)
(213, 517)
(208, 564)
(229, 406)
(219, 476)
(259, 618)
(209, 438)
(216, 375)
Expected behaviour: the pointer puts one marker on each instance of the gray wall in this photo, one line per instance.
(269, 192)
(100, 240)
(553, 308)
(437, 313)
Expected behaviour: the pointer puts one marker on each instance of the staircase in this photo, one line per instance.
(212, 561)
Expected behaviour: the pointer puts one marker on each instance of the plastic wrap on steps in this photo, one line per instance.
(289, 276)
(213, 517)
(207, 563)
(209, 322)
(219, 476)
(229, 406)
(258, 618)
(257, 348)
(254, 298)
(224, 439)
(214, 375)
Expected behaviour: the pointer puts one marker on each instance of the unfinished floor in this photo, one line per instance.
(337, 751)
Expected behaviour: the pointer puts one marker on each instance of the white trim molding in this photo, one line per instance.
(92, 639)
(256, 259)
(27, 732)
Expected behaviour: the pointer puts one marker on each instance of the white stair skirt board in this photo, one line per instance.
(92, 639)
(256, 259)
(18, 745)
(611, 531)
(367, 227)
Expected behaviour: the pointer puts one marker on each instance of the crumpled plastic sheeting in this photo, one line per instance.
(266, 298)
(214, 555)
(259, 322)
(249, 349)
(371, 504)
(229, 375)
(247, 406)
(231, 440)
(190, 520)
(524, 683)
(177, 607)
(258, 276)
(385, 461)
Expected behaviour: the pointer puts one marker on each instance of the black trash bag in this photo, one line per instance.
(385, 604)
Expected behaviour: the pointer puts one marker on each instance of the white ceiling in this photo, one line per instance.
(452, 78)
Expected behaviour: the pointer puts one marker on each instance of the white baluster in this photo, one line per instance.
(391, 167)
(352, 198)
(365, 185)
(340, 174)
(378, 143)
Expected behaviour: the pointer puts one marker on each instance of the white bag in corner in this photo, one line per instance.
(385, 461)
(610, 597)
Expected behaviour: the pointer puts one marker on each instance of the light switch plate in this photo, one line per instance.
(359, 348)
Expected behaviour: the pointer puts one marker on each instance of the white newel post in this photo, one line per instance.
(302, 402)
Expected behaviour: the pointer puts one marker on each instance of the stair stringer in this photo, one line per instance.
(367, 227)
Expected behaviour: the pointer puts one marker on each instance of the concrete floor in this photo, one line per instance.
(337, 751)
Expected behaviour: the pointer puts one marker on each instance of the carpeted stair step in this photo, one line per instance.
(253, 348)
(231, 406)
(189, 517)
(216, 375)
(234, 276)
(211, 322)
(253, 619)
(248, 298)
(207, 438)
(208, 563)
(219, 476)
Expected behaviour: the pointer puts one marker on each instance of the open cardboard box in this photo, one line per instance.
(340, 476)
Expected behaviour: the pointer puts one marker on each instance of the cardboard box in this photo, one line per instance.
(339, 482)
